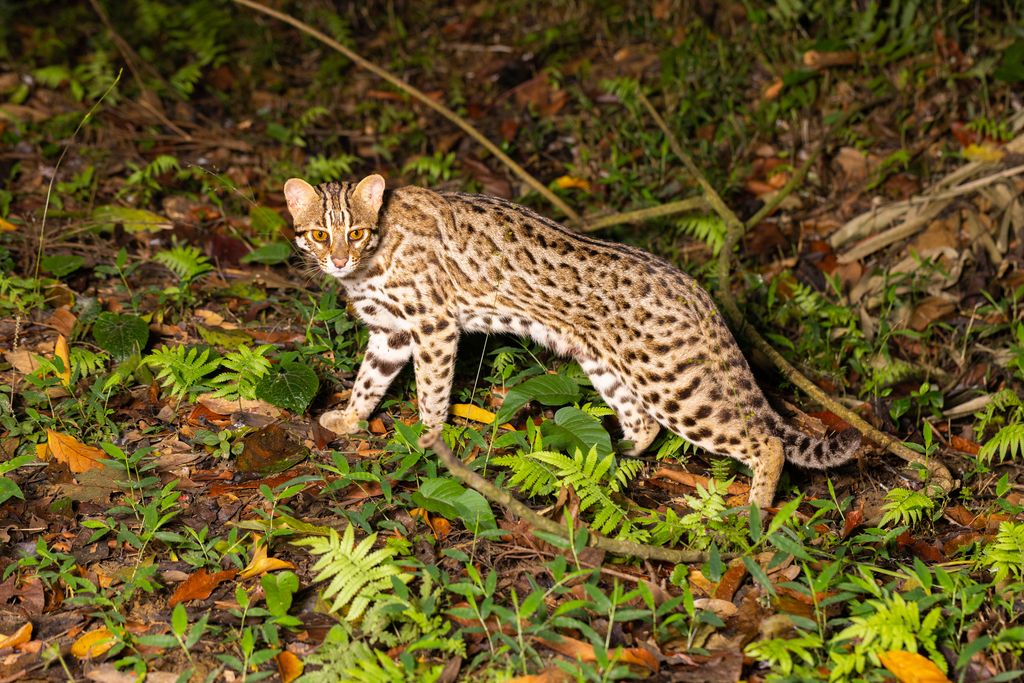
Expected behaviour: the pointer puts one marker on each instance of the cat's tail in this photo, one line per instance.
(819, 454)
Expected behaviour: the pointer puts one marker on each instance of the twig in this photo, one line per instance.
(938, 473)
(680, 206)
(436, 106)
(434, 441)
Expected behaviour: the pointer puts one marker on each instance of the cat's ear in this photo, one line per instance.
(299, 194)
(371, 190)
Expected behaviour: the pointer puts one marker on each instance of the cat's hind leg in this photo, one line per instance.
(639, 429)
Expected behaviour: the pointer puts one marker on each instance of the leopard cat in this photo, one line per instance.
(421, 267)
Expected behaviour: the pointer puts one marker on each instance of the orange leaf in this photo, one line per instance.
(566, 181)
(571, 647)
(61, 351)
(93, 643)
(552, 674)
(289, 666)
(964, 445)
(79, 457)
(199, 586)
(910, 667)
(19, 637)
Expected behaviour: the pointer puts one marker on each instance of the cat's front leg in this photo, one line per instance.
(434, 360)
(386, 354)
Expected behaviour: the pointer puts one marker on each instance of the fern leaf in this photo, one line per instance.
(1008, 441)
(906, 507)
(1005, 555)
(356, 574)
(188, 263)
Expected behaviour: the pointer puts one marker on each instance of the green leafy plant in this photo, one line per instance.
(1008, 442)
(905, 507)
(121, 335)
(356, 574)
(1005, 555)
(180, 372)
(289, 385)
(188, 263)
(247, 367)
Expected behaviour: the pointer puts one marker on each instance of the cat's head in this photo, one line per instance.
(336, 223)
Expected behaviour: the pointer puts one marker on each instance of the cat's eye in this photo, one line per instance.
(356, 235)
(320, 235)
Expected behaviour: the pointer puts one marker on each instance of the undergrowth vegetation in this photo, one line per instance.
(160, 313)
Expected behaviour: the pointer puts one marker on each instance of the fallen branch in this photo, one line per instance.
(680, 206)
(502, 497)
(436, 106)
(938, 474)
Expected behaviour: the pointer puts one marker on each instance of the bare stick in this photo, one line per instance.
(436, 106)
(680, 206)
(434, 441)
(735, 230)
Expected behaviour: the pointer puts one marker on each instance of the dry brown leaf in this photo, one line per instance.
(494, 183)
(552, 674)
(61, 351)
(76, 455)
(910, 667)
(199, 586)
(687, 479)
(928, 310)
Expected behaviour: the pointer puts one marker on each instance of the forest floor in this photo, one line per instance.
(171, 507)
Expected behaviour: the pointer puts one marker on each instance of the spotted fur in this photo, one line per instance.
(421, 267)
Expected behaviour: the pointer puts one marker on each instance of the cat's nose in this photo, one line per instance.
(339, 262)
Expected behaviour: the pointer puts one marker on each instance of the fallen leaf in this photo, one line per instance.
(910, 667)
(261, 566)
(61, 351)
(288, 666)
(199, 586)
(19, 637)
(93, 643)
(985, 153)
(928, 310)
(5, 226)
(692, 480)
(475, 413)
(570, 647)
(565, 182)
(964, 445)
(552, 674)
(494, 183)
(815, 60)
(76, 455)
(773, 90)
(269, 450)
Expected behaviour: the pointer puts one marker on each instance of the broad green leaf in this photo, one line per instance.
(265, 221)
(120, 335)
(275, 252)
(475, 511)
(551, 390)
(133, 220)
(572, 429)
(439, 496)
(289, 385)
(62, 265)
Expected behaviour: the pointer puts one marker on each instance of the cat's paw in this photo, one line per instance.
(339, 422)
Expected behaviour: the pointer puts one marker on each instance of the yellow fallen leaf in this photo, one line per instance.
(985, 153)
(93, 643)
(261, 564)
(61, 351)
(19, 637)
(78, 456)
(568, 181)
(4, 225)
(910, 667)
(475, 413)
(773, 90)
(289, 666)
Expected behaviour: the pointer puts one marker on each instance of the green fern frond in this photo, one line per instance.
(533, 477)
(85, 362)
(1005, 399)
(178, 372)
(674, 445)
(248, 367)
(188, 263)
(1008, 441)
(905, 507)
(585, 474)
(357, 575)
(1005, 555)
(706, 228)
(895, 624)
(596, 412)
